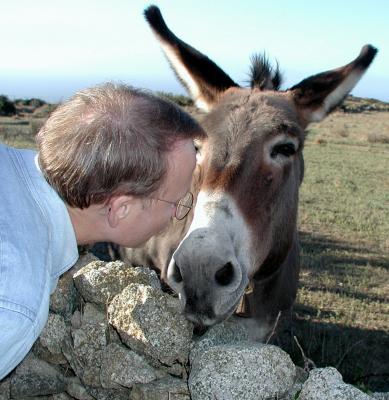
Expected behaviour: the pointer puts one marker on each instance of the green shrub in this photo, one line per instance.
(7, 107)
(36, 102)
(33, 102)
(179, 99)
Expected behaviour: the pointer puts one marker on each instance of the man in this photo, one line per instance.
(113, 164)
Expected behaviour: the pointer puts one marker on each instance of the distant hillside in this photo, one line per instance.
(38, 108)
(359, 104)
(352, 104)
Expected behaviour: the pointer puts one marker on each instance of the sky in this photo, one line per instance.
(52, 48)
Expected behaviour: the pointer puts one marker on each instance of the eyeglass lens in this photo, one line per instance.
(184, 206)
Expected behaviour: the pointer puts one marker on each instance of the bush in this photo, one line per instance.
(33, 102)
(7, 107)
(179, 99)
(36, 102)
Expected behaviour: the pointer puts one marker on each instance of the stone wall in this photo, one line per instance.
(112, 333)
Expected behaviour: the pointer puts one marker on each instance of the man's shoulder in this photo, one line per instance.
(23, 215)
(11, 156)
(36, 236)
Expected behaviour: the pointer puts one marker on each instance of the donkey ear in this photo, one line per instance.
(201, 77)
(318, 95)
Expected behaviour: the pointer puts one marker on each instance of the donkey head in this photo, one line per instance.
(251, 166)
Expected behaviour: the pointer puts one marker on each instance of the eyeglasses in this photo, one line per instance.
(183, 206)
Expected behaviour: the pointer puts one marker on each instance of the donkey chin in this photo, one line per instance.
(206, 302)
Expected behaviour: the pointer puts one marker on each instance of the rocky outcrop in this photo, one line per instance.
(149, 321)
(35, 377)
(241, 371)
(99, 282)
(327, 383)
(112, 333)
(354, 104)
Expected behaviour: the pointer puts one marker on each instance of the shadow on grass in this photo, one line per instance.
(361, 356)
(349, 293)
(358, 269)
(336, 252)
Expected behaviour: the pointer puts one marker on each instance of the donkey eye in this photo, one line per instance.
(283, 149)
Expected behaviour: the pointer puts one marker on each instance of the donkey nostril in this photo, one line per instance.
(225, 275)
(176, 273)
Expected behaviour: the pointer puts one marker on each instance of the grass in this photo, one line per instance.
(345, 192)
(16, 132)
(352, 129)
(341, 316)
(20, 130)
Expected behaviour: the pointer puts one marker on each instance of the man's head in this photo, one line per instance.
(113, 141)
(110, 139)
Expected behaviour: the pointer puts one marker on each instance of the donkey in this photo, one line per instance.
(237, 252)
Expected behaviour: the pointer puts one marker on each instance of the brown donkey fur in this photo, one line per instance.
(238, 250)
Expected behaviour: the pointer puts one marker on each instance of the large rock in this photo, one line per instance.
(77, 390)
(227, 332)
(301, 377)
(380, 395)
(150, 322)
(84, 259)
(109, 394)
(122, 367)
(241, 371)
(165, 389)
(327, 383)
(35, 377)
(64, 299)
(61, 396)
(84, 352)
(99, 282)
(5, 389)
(49, 344)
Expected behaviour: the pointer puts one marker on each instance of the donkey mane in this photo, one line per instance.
(262, 74)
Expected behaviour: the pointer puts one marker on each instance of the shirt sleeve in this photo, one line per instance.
(16, 339)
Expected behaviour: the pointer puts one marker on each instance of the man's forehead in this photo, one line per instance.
(181, 162)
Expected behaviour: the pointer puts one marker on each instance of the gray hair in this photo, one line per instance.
(109, 140)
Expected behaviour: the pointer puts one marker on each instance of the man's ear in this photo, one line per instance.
(118, 208)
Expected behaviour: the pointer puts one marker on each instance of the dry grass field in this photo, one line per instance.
(341, 317)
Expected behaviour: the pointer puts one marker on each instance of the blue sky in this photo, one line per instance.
(50, 49)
